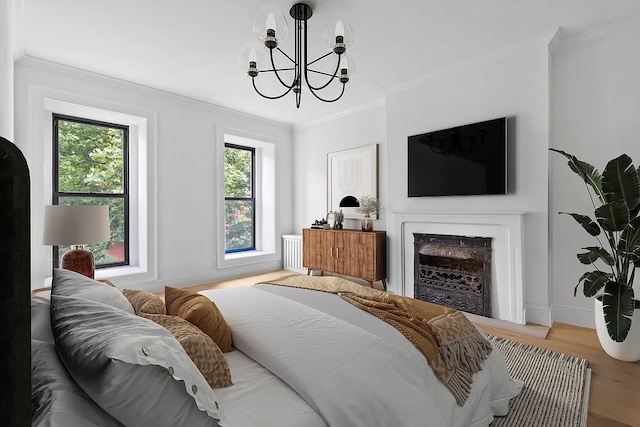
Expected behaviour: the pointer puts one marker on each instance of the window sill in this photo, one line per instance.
(242, 258)
(107, 273)
(243, 254)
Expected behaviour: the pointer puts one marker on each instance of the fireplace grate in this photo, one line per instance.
(454, 271)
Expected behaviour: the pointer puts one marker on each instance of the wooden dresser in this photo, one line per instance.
(355, 253)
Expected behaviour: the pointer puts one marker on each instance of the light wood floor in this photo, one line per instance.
(615, 386)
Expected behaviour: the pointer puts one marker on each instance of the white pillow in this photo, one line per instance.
(133, 368)
(40, 319)
(56, 400)
(71, 284)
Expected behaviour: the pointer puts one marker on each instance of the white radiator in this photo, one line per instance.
(292, 253)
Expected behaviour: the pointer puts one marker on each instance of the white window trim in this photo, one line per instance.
(266, 242)
(139, 252)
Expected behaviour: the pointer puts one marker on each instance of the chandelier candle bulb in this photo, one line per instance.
(252, 55)
(271, 23)
(339, 25)
(339, 28)
(347, 63)
(270, 18)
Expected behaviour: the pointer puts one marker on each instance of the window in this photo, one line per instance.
(90, 166)
(239, 198)
(247, 230)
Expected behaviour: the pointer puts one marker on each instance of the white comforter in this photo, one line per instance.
(352, 368)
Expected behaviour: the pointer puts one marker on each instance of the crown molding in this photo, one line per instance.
(354, 110)
(555, 41)
(567, 42)
(514, 49)
(116, 83)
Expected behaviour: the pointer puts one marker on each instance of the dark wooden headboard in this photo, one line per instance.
(15, 283)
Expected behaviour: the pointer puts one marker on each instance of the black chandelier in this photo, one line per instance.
(271, 29)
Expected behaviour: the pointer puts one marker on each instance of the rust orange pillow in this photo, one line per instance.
(200, 311)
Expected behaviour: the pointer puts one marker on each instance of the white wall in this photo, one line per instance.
(182, 187)
(584, 100)
(7, 41)
(596, 117)
(311, 146)
(593, 93)
(515, 86)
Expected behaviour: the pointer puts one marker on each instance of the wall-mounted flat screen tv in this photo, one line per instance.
(464, 160)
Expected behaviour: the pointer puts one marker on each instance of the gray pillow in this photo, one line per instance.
(56, 400)
(71, 284)
(133, 368)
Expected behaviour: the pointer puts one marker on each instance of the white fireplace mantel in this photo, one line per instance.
(506, 231)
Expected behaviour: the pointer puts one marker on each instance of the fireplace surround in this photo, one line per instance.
(507, 270)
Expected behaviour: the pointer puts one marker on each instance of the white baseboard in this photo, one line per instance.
(530, 330)
(538, 314)
(393, 288)
(573, 315)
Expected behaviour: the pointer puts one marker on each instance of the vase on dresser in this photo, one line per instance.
(367, 223)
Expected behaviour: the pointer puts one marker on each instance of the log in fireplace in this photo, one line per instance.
(454, 271)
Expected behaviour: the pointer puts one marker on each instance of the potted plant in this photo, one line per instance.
(368, 205)
(617, 254)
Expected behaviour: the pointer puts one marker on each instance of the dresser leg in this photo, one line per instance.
(308, 271)
(384, 284)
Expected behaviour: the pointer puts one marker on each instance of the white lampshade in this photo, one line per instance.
(76, 225)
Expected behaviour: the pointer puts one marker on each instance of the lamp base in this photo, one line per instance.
(79, 260)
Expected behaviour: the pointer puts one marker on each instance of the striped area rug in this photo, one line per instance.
(556, 391)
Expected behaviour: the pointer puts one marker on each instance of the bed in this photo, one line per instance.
(300, 358)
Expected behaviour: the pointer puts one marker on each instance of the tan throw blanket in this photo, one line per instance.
(451, 344)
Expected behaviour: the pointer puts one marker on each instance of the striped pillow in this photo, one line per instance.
(145, 302)
(206, 355)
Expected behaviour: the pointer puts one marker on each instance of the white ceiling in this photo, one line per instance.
(191, 47)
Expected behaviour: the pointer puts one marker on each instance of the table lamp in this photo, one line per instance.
(76, 226)
(349, 202)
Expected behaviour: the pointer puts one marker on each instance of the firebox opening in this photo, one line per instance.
(454, 271)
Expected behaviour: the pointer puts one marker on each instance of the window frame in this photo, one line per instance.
(124, 195)
(267, 176)
(252, 198)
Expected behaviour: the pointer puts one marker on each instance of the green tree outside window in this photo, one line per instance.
(239, 198)
(90, 163)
